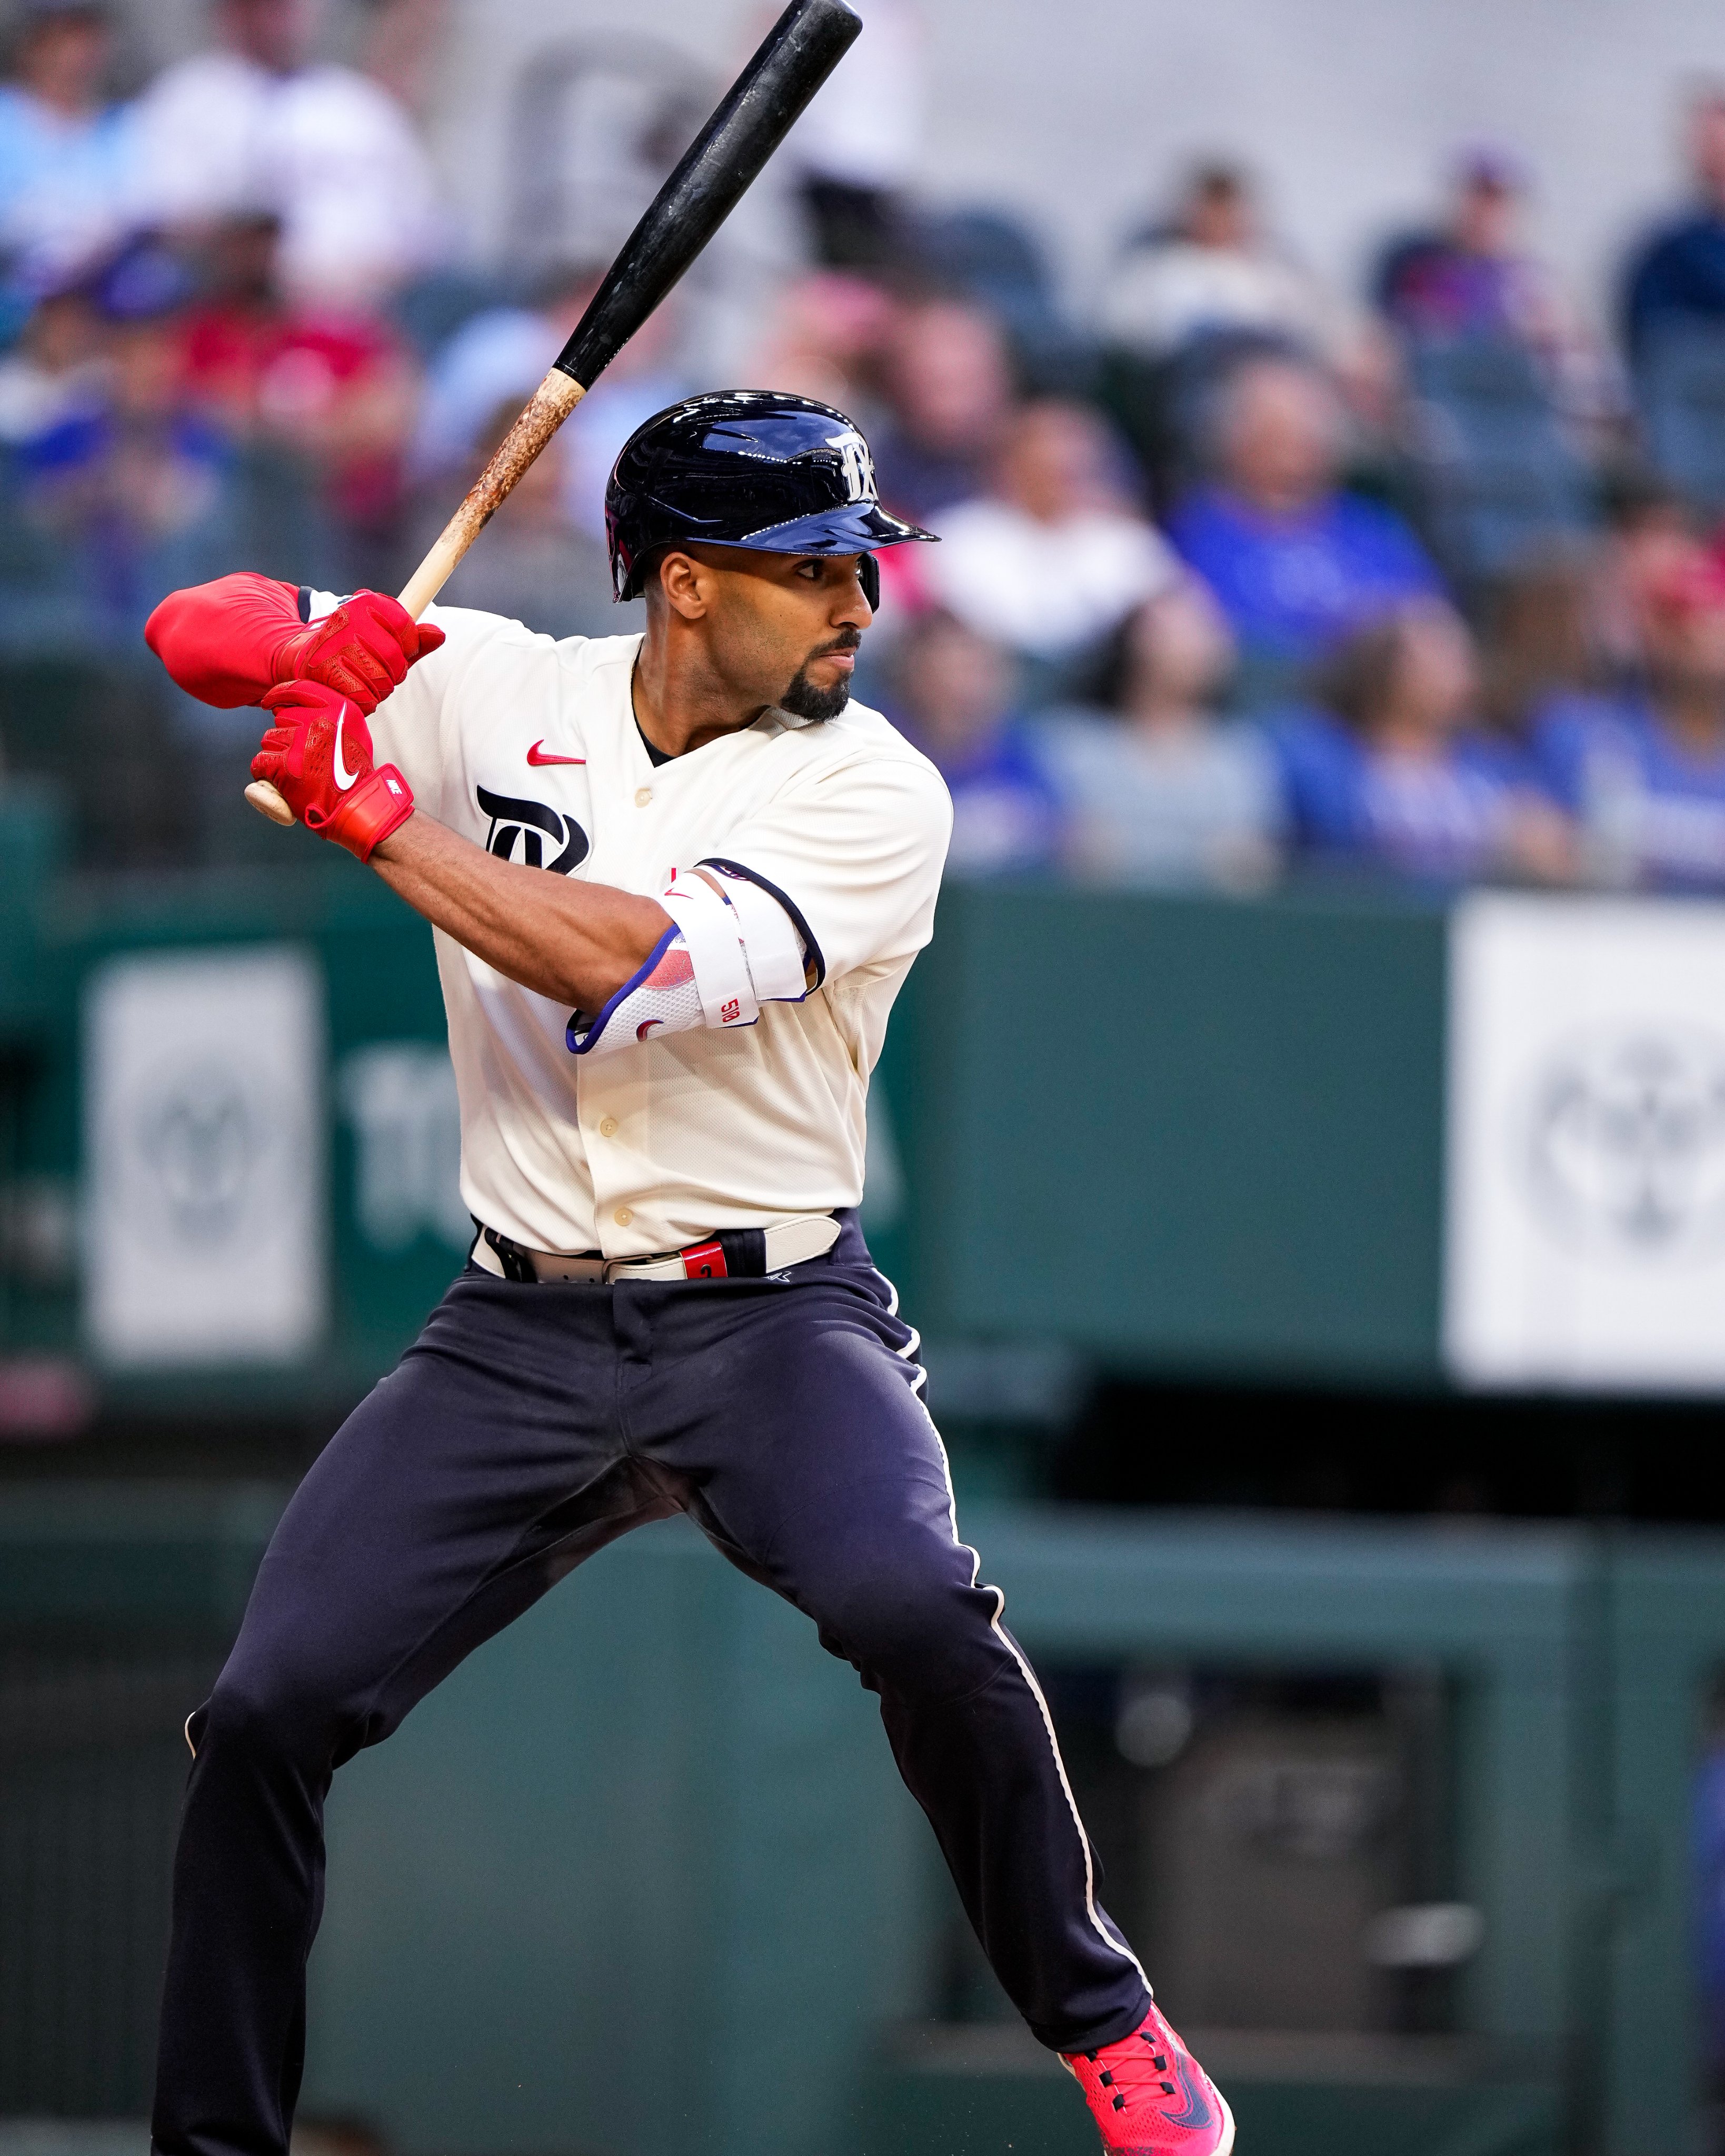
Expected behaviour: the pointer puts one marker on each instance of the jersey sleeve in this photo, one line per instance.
(853, 856)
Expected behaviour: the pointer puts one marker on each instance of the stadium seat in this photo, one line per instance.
(1498, 480)
(991, 257)
(1679, 388)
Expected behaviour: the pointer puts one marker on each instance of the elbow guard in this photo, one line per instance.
(721, 958)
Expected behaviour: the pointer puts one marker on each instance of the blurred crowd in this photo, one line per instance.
(1240, 575)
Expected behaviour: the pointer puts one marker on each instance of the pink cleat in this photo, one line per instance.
(1150, 2096)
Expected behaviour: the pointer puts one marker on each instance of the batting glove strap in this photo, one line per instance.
(364, 818)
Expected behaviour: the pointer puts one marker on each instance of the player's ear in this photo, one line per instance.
(685, 584)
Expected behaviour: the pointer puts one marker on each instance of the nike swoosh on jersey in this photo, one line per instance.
(344, 777)
(537, 757)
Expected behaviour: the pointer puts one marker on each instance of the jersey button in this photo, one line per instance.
(608, 1128)
(644, 794)
(623, 1216)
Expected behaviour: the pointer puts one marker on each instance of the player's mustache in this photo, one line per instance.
(847, 639)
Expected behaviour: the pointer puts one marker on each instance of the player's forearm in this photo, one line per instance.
(576, 942)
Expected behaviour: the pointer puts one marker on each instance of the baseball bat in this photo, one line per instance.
(797, 54)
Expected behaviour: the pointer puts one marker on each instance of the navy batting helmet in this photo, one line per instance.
(745, 468)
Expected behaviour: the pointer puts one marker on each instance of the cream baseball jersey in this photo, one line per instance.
(528, 747)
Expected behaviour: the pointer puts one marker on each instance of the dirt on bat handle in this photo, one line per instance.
(550, 404)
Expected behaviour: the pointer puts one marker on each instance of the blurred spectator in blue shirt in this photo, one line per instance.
(1157, 787)
(954, 699)
(949, 388)
(1474, 278)
(1385, 767)
(59, 364)
(1678, 273)
(1052, 558)
(1643, 772)
(138, 488)
(68, 159)
(1296, 562)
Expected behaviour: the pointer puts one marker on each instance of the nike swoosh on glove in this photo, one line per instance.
(318, 758)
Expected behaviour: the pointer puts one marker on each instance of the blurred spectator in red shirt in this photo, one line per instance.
(1051, 559)
(334, 387)
(949, 390)
(826, 339)
(1650, 540)
(1296, 560)
(1208, 271)
(1643, 771)
(67, 155)
(955, 701)
(1475, 277)
(253, 126)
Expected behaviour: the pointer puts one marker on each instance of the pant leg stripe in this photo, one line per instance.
(910, 1352)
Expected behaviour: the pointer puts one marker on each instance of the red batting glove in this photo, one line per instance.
(227, 641)
(318, 759)
(364, 649)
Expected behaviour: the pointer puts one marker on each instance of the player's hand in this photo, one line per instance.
(318, 757)
(364, 649)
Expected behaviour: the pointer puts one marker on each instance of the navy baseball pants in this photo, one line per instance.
(528, 1426)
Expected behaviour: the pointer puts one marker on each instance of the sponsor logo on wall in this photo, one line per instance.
(1585, 1226)
(204, 1196)
(399, 1096)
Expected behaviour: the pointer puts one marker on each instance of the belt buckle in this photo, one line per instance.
(704, 1261)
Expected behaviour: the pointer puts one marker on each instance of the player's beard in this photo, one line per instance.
(803, 701)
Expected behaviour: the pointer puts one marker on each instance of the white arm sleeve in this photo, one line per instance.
(723, 957)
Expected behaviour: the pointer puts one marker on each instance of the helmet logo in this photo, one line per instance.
(859, 464)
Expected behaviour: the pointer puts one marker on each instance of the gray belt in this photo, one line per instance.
(733, 1254)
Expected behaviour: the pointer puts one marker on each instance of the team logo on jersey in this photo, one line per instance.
(858, 465)
(524, 831)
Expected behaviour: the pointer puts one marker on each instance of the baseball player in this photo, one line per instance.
(675, 880)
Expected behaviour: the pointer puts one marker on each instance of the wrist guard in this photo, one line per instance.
(365, 816)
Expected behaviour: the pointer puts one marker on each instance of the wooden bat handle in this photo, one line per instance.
(549, 405)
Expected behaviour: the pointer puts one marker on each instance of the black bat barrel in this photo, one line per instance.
(800, 51)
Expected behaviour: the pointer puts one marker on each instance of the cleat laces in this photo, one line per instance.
(1135, 2068)
(1150, 2097)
